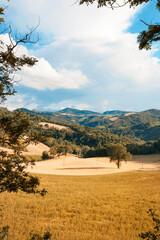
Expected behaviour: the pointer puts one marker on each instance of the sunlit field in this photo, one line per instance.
(112, 207)
(74, 165)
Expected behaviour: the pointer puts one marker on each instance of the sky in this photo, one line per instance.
(88, 57)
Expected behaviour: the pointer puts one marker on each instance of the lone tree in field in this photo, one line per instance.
(146, 37)
(118, 153)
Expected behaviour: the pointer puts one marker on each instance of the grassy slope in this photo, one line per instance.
(96, 207)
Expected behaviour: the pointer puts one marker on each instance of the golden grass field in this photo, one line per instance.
(103, 207)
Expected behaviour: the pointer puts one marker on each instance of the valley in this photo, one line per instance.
(88, 197)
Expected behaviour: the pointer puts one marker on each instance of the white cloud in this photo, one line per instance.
(101, 31)
(19, 50)
(141, 68)
(43, 76)
(89, 32)
(82, 106)
(67, 104)
(104, 105)
(66, 20)
(20, 101)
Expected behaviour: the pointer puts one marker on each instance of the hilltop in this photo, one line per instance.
(143, 125)
(73, 111)
(115, 112)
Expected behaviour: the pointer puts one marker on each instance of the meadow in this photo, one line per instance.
(103, 207)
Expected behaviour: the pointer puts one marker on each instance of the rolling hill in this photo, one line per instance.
(73, 111)
(115, 112)
(141, 125)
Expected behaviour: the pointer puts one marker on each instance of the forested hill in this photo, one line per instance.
(139, 126)
(73, 111)
(144, 125)
(95, 141)
(115, 112)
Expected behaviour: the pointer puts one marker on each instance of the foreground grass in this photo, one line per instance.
(106, 207)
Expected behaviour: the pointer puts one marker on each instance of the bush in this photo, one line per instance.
(45, 155)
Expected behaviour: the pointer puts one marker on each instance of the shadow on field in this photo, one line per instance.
(153, 158)
(85, 168)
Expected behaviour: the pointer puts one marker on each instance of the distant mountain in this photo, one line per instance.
(73, 111)
(115, 112)
(35, 111)
(26, 110)
(141, 125)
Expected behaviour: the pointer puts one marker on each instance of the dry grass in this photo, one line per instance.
(73, 165)
(32, 149)
(106, 207)
(37, 149)
(113, 119)
(52, 125)
(128, 114)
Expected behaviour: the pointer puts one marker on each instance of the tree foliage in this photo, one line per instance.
(118, 153)
(13, 127)
(146, 37)
(45, 155)
(13, 176)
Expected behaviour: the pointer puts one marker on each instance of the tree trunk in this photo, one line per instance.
(118, 164)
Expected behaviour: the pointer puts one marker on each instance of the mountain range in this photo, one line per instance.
(143, 125)
(73, 111)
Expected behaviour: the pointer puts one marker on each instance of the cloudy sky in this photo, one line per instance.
(88, 58)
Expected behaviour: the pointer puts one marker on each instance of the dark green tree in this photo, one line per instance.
(45, 155)
(67, 148)
(118, 153)
(146, 37)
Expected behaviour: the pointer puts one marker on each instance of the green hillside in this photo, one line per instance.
(114, 112)
(144, 125)
(93, 135)
(74, 111)
(139, 126)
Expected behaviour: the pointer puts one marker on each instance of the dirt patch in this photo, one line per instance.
(51, 125)
(113, 119)
(128, 114)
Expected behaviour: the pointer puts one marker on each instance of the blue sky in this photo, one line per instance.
(88, 58)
